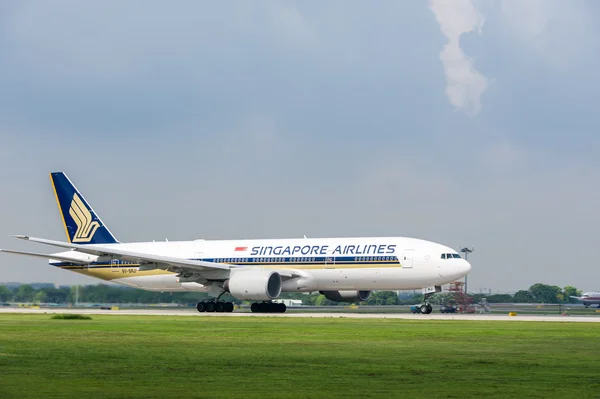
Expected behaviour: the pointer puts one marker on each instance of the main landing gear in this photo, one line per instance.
(268, 307)
(212, 306)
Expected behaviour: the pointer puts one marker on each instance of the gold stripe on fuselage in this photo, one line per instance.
(113, 273)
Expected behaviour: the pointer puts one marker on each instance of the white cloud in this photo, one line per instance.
(529, 17)
(557, 30)
(465, 84)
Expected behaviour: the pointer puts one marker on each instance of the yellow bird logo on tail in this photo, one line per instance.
(83, 219)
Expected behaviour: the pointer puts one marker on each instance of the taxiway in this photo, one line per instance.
(404, 316)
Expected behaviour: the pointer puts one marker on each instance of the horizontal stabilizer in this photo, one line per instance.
(189, 264)
(48, 256)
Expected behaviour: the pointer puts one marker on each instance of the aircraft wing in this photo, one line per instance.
(47, 256)
(163, 262)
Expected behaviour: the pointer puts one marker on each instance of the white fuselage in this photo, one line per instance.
(394, 263)
(591, 298)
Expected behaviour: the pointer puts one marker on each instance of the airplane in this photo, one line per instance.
(589, 298)
(259, 270)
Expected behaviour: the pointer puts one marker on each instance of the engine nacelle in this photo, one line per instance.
(257, 285)
(346, 296)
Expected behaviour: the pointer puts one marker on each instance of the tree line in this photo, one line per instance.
(94, 294)
(537, 293)
(108, 294)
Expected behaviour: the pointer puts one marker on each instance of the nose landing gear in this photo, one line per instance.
(425, 308)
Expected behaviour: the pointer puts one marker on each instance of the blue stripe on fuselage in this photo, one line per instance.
(243, 261)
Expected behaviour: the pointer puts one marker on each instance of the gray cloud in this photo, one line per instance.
(283, 119)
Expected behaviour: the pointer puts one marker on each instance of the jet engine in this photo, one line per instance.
(257, 285)
(346, 296)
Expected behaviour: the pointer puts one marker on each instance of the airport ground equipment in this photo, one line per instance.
(484, 306)
(448, 308)
(463, 301)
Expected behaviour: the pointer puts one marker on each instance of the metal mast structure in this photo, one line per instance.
(466, 251)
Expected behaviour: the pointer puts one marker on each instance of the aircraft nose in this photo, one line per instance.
(464, 268)
(454, 269)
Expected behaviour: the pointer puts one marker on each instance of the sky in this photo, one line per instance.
(468, 123)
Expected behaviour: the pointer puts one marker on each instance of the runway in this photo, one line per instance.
(402, 316)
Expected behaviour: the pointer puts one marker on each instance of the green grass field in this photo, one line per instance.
(254, 357)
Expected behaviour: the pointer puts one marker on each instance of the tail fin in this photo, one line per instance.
(82, 225)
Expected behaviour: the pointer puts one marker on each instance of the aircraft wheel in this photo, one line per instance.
(220, 307)
(201, 307)
(210, 306)
(254, 308)
(228, 307)
(423, 309)
(429, 309)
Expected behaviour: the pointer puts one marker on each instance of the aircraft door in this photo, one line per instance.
(114, 265)
(330, 262)
(407, 258)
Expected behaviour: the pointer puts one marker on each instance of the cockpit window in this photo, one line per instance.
(451, 256)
